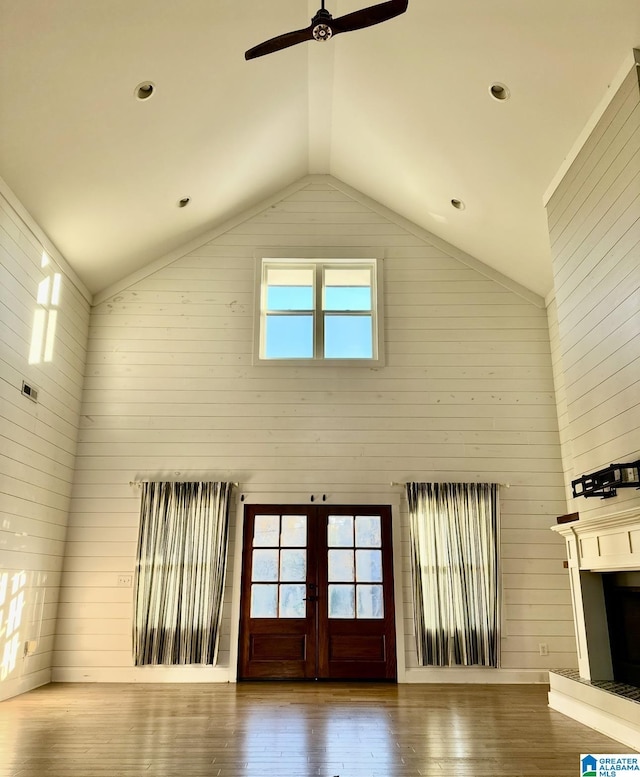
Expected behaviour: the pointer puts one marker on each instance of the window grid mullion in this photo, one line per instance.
(318, 322)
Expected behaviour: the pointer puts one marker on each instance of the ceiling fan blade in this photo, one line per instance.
(280, 42)
(367, 17)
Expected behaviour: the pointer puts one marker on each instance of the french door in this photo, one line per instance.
(317, 593)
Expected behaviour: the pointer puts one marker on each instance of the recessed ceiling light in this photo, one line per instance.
(184, 202)
(458, 204)
(499, 91)
(144, 90)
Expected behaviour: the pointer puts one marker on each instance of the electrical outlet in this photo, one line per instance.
(124, 581)
(543, 648)
(30, 647)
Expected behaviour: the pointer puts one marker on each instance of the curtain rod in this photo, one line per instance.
(503, 485)
(140, 482)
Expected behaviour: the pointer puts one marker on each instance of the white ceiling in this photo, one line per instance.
(400, 111)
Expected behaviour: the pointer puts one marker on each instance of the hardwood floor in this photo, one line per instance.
(290, 730)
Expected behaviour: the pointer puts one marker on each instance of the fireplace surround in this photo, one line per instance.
(603, 556)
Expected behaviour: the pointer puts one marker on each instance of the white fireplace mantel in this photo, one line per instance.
(609, 543)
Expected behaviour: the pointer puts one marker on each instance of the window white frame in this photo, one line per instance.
(319, 260)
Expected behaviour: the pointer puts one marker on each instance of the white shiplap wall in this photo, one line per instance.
(37, 449)
(594, 224)
(170, 391)
(564, 427)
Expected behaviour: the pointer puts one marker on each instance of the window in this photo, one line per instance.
(355, 566)
(319, 310)
(279, 566)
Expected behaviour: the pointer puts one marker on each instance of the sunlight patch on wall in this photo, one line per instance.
(45, 318)
(12, 590)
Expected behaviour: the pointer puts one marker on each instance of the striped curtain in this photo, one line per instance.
(454, 564)
(182, 552)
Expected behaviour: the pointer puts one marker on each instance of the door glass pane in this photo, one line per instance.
(265, 565)
(293, 565)
(264, 601)
(369, 566)
(370, 604)
(340, 531)
(292, 604)
(341, 567)
(342, 601)
(294, 531)
(266, 529)
(368, 531)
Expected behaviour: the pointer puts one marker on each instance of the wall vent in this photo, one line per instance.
(30, 391)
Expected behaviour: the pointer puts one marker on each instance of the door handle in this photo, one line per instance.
(310, 599)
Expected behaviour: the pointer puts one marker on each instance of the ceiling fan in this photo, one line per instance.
(323, 26)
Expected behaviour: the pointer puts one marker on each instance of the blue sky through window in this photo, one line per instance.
(348, 337)
(347, 298)
(289, 337)
(290, 298)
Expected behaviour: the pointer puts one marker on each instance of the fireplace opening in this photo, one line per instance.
(622, 600)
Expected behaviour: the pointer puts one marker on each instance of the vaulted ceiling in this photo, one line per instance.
(400, 111)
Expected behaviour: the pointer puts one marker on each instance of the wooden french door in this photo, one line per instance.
(317, 593)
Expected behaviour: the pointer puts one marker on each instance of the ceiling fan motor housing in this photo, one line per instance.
(322, 32)
(322, 25)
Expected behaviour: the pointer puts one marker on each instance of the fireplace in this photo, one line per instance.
(603, 560)
(622, 601)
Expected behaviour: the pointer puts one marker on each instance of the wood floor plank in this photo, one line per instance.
(291, 730)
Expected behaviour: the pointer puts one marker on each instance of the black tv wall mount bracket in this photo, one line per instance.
(605, 482)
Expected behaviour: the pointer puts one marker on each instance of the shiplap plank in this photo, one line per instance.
(322, 423)
(310, 437)
(445, 408)
(470, 366)
(343, 388)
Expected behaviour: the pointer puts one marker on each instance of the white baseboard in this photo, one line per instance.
(476, 676)
(10, 688)
(200, 674)
(604, 712)
(142, 674)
